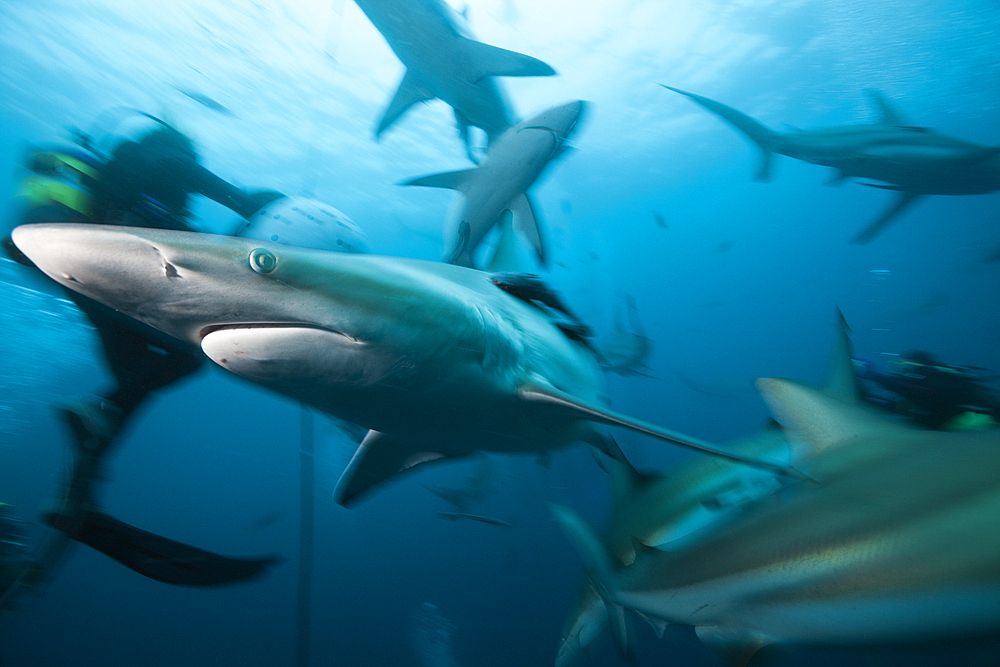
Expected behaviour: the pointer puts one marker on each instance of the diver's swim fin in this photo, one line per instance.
(155, 556)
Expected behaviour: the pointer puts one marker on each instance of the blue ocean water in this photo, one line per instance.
(742, 281)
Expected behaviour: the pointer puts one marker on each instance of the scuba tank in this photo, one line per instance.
(305, 222)
(59, 176)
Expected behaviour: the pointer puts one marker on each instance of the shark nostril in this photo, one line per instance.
(170, 270)
(71, 279)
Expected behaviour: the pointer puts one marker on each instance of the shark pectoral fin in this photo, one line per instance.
(737, 649)
(486, 60)
(409, 92)
(450, 180)
(602, 415)
(527, 222)
(905, 200)
(599, 565)
(155, 556)
(378, 458)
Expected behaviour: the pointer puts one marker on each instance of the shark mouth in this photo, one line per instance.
(212, 328)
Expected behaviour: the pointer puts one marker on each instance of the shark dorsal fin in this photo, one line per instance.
(888, 115)
(836, 434)
(841, 381)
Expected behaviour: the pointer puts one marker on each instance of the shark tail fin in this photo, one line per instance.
(155, 556)
(765, 138)
(598, 563)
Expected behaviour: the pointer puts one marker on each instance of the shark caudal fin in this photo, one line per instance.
(155, 556)
(380, 457)
(598, 563)
(765, 138)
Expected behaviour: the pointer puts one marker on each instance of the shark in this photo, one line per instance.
(666, 510)
(910, 160)
(500, 182)
(898, 524)
(436, 360)
(444, 62)
(628, 348)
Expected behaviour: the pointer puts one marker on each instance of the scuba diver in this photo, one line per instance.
(933, 394)
(147, 181)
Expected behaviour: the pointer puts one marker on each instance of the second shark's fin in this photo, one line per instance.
(764, 137)
(505, 256)
(409, 92)
(486, 60)
(602, 415)
(527, 222)
(449, 180)
(906, 199)
(599, 565)
(379, 457)
(841, 381)
(155, 556)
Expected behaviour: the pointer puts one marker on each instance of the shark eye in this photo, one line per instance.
(263, 261)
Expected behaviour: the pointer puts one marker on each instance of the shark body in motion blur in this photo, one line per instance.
(437, 360)
(903, 524)
(913, 161)
(443, 61)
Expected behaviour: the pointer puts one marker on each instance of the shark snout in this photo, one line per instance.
(560, 120)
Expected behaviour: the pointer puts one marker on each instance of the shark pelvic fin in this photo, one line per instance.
(409, 92)
(602, 415)
(486, 60)
(378, 458)
(906, 200)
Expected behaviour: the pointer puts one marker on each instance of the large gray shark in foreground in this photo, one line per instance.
(443, 61)
(898, 541)
(667, 510)
(435, 359)
(500, 183)
(914, 161)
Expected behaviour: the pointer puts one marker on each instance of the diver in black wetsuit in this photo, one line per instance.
(146, 182)
(933, 394)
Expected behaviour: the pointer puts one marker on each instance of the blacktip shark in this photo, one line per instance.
(499, 184)
(443, 61)
(681, 505)
(898, 541)
(914, 161)
(436, 360)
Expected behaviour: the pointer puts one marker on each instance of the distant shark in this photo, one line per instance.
(437, 360)
(914, 161)
(628, 348)
(443, 61)
(902, 525)
(500, 183)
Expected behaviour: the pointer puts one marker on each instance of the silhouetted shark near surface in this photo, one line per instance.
(443, 61)
(500, 183)
(437, 360)
(913, 161)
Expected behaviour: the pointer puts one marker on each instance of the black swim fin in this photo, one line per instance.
(154, 556)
